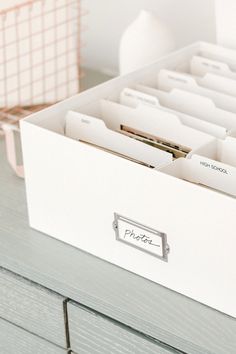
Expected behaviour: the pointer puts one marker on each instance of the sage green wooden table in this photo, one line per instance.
(57, 299)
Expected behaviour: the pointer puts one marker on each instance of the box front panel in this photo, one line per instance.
(75, 190)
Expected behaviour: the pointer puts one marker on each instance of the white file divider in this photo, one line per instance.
(153, 121)
(222, 151)
(197, 106)
(213, 165)
(168, 80)
(201, 65)
(211, 79)
(94, 131)
(219, 53)
(132, 98)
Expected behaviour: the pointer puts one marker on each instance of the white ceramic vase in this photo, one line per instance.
(143, 42)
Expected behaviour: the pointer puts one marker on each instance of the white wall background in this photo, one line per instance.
(226, 22)
(190, 20)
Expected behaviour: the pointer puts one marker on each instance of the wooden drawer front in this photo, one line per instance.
(15, 340)
(93, 333)
(32, 307)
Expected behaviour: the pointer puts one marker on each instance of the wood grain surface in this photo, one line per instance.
(92, 333)
(32, 307)
(14, 340)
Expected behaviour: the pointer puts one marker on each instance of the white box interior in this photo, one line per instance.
(53, 118)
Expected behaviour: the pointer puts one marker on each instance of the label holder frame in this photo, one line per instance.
(162, 235)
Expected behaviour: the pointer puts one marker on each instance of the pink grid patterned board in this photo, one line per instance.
(39, 57)
(39, 54)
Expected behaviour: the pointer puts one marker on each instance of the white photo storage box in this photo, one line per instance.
(151, 222)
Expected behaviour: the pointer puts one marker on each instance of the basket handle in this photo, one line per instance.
(11, 149)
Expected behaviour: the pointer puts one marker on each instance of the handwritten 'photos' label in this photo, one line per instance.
(141, 237)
